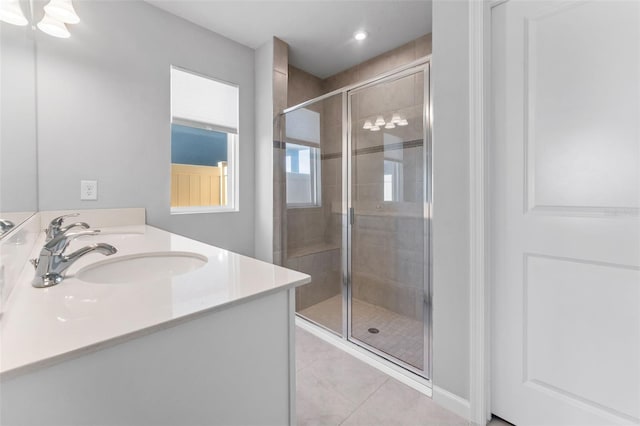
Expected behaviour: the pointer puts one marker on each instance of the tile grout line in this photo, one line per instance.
(336, 390)
(340, 395)
(365, 400)
(357, 353)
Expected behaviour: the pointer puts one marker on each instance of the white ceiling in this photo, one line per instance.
(319, 33)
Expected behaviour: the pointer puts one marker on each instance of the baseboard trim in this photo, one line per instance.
(452, 402)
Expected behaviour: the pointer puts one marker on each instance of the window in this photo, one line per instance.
(392, 180)
(303, 175)
(204, 144)
(302, 158)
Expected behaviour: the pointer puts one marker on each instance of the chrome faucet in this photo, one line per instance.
(6, 226)
(52, 261)
(55, 228)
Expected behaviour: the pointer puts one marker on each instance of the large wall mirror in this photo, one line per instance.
(18, 164)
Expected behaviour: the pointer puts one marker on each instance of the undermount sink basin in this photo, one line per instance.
(141, 267)
(109, 235)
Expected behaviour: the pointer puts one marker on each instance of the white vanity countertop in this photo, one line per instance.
(41, 327)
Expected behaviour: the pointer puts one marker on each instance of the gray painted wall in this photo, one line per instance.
(450, 74)
(264, 152)
(103, 114)
(18, 174)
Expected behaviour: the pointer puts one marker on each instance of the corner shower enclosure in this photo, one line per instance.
(355, 199)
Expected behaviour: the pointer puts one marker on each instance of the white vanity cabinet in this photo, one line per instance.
(214, 346)
(229, 367)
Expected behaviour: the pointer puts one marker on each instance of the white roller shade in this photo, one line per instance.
(304, 125)
(203, 100)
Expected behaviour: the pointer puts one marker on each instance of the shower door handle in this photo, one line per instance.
(352, 216)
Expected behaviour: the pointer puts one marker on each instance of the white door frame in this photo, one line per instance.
(479, 119)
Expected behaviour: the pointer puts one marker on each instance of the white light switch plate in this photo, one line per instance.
(88, 190)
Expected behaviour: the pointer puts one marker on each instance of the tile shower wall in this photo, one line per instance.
(313, 236)
(310, 247)
(387, 267)
(280, 89)
(387, 61)
(323, 243)
(388, 236)
(332, 169)
(305, 226)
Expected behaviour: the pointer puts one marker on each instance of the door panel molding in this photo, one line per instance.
(593, 189)
(565, 317)
(586, 404)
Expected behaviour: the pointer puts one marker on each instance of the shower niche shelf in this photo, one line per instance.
(312, 249)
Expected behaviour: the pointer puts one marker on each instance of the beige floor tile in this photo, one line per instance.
(348, 376)
(317, 404)
(334, 388)
(309, 349)
(496, 421)
(395, 404)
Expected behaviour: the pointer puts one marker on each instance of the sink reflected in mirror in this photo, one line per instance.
(142, 267)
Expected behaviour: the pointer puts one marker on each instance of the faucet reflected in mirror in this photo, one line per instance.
(53, 262)
(6, 226)
(55, 228)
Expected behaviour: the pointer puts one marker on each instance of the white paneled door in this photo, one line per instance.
(565, 224)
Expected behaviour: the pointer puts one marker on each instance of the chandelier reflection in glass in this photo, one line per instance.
(375, 125)
(57, 14)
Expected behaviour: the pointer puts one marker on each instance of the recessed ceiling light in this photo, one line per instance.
(360, 35)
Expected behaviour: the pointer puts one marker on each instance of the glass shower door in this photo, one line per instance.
(389, 227)
(311, 155)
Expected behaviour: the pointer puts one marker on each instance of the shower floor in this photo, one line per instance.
(398, 336)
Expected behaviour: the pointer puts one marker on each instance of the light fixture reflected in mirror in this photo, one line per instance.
(53, 27)
(11, 13)
(395, 120)
(63, 11)
(57, 13)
